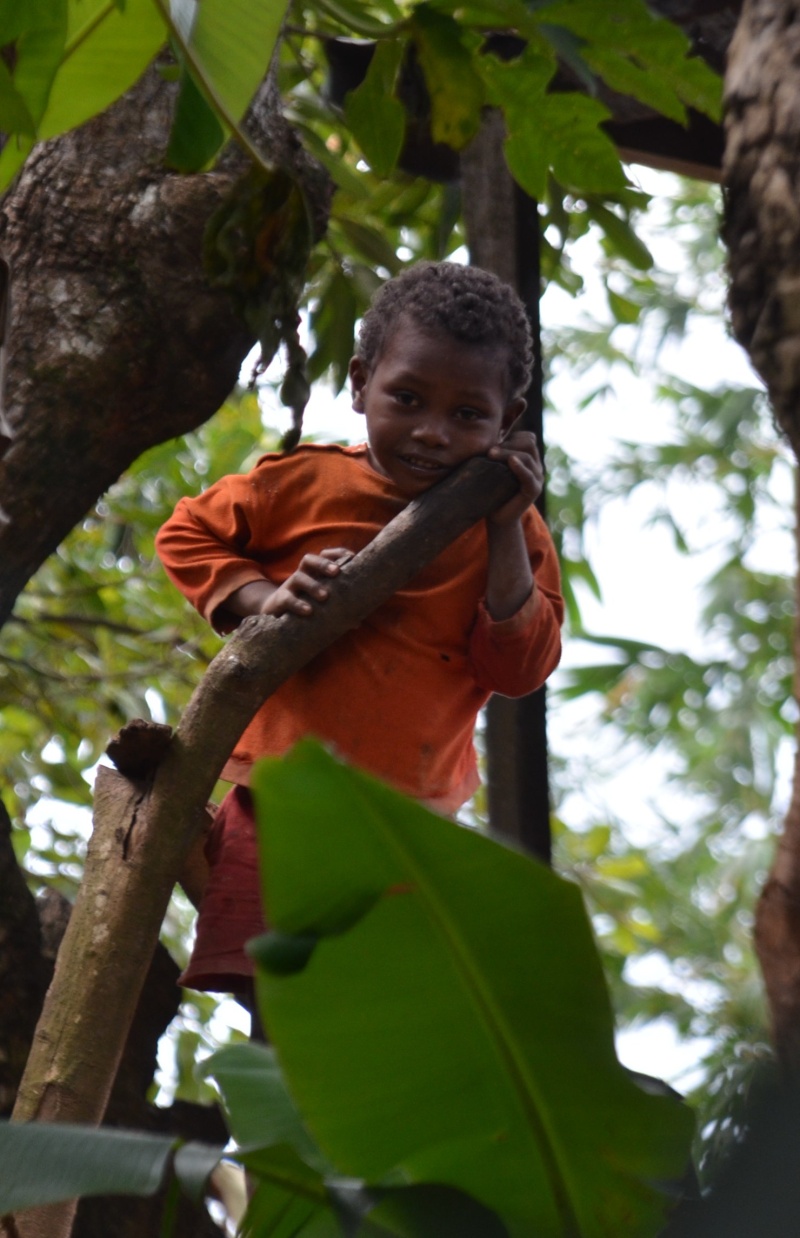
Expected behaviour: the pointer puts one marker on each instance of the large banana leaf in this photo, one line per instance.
(225, 47)
(440, 1013)
(43, 1163)
(298, 1192)
(108, 47)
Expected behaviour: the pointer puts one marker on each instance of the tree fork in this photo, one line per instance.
(143, 827)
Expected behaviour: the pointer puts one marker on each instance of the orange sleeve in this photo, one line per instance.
(514, 656)
(204, 547)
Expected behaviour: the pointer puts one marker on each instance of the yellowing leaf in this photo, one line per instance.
(455, 88)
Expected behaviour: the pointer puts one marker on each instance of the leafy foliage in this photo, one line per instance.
(99, 637)
(431, 951)
(674, 915)
(509, 1088)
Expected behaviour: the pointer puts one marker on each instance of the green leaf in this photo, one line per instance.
(641, 54)
(193, 1165)
(550, 132)
(44, 1163)
(623, 309)
(376, 118)
(15, 115)
(289, 1200)
(455, 88)
(333, 320)
(106, 51)
(371, 244)
(434, 1212)
(447, 1008)
(196, 133)
(292, 1200)
(350, 13)
(260, 1111)
(39, 31)
(228, 45)
(620, 235)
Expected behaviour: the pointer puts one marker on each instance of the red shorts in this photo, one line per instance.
(230, 911)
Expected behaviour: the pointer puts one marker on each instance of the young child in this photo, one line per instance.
(444, 355)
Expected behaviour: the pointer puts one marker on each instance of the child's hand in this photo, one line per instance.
(306, 585)
(519, 451)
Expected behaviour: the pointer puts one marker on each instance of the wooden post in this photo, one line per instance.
(502, 225)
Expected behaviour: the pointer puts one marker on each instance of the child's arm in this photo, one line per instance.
(510, 579)
(298, 593)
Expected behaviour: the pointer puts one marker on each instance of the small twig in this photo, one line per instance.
(78, 621)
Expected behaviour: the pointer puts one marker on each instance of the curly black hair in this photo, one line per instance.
(468, 303)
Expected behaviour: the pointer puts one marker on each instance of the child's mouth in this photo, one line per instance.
(421, 465)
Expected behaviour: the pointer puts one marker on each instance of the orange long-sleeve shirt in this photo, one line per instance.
(399, 695)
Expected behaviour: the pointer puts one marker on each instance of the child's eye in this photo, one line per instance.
(469, 414)
(406, 398)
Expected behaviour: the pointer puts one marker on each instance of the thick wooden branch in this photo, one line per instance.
(143, 827)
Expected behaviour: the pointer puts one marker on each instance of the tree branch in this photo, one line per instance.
(144, 827)
(119, 341)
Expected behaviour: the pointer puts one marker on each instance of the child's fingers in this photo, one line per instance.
(307, 583)
(334, 558)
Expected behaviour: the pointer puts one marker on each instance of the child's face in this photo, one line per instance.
(431, 402)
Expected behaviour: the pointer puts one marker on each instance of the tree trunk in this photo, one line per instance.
(118, 341)
(145, 825)
(761, 176)
(31, 931)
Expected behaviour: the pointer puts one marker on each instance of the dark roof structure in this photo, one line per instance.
(641, 134)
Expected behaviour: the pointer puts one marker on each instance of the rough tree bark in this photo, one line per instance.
(29, 941)
(144, 825)
(118, 342)
(761, 176)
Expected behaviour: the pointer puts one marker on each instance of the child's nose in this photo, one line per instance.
(432, 431)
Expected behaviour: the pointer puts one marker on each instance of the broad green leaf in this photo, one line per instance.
(228, 45)
(276, 1147)
(620, 235)
(375, 116)
(196, 132)
(14, 154)
(639, 53)
(368, 242)
(333, 320)
(290, 1201)
(623, 309)
(38, 31)
(351, 15)
(260, 1110)
(105, 52)
(446, 1007)
(455, 88)
(550, 132)
(43, 1163)
(15, 116)
(193, 1164)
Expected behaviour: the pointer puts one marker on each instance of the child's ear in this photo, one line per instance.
(358, 381)
(512, 414)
